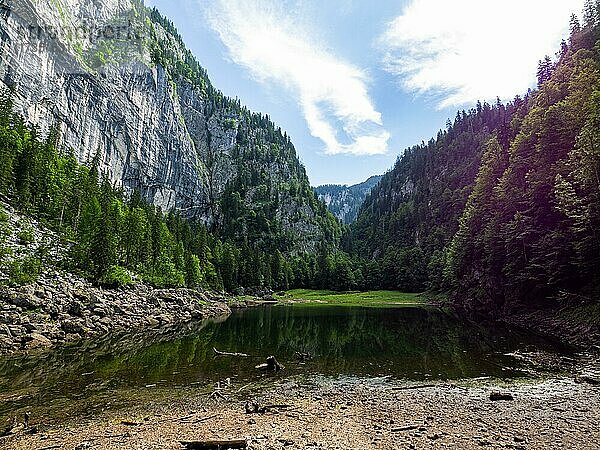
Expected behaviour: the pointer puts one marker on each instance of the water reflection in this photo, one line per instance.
(409, 343)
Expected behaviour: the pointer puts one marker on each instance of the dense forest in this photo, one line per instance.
(504, 205)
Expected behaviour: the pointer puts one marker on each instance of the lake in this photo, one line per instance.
(409, 343)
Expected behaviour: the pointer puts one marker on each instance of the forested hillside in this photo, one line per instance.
(210, 194)
(529, 232)
(503, 206)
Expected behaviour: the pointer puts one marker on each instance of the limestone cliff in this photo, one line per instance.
(115, 79)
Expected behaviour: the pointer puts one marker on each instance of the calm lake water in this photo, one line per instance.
(411, 343)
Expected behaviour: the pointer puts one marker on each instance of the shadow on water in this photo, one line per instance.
(403, 343)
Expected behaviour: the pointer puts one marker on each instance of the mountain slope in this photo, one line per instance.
(502, 208)
(528, 235)
(345, 201)
(413, 212)
(126, 89)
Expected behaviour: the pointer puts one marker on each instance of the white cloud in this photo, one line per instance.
(466, 50)
(332, 93)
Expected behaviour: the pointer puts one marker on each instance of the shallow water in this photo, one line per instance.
(412, 343)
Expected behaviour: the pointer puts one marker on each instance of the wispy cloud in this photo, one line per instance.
(466, 50)
(275, 48)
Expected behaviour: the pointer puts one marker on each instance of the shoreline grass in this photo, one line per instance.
(381, 299)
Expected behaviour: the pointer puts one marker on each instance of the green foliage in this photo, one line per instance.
(229, 124)
(5, 231)
(26, 236)
(502, 209)
(24, 271)
(116, 276)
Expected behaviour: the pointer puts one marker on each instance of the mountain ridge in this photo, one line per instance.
(344, 201)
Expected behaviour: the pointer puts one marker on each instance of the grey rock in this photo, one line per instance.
(100, 312)
(76, 308)
(30, 327)
(36, 340)
(72, 327)
(152, 322)
(27, 301)
(16, 330)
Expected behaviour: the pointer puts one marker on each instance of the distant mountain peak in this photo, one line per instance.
(345, 201)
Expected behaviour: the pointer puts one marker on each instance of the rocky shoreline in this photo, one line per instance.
(583, 334)
(61, 308)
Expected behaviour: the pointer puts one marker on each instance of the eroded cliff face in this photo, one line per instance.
(90, 69)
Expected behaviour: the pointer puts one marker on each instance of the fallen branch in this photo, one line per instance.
(130, 423)
(202, 419)
(239, 355)
(215, 445)
(406, 428)
(303, 356)
(587, 379)
(255, 408)
(217, 394)
(419, 386)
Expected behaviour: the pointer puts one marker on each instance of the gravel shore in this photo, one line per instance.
(544, 414)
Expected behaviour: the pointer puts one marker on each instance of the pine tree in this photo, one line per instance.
(544, 72)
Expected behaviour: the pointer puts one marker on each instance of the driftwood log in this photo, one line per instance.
(215, 445)
(271, 364)
(500, 396)
(239, 355)
(303, 356)
(253, 407)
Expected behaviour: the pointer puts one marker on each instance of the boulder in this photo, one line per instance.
(76, 308)
(25, 300)
(71, 327)
(36, 340)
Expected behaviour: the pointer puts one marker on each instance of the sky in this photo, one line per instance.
(354, 83)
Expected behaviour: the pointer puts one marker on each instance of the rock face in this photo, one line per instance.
(116, 83)
(345, 201)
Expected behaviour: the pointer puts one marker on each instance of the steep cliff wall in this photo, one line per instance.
(116, 80)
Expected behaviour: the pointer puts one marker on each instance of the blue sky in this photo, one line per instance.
(356, 82)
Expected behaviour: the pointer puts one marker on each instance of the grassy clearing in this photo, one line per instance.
(382, 299)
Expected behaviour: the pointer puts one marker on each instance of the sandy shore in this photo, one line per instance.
(545, 414)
